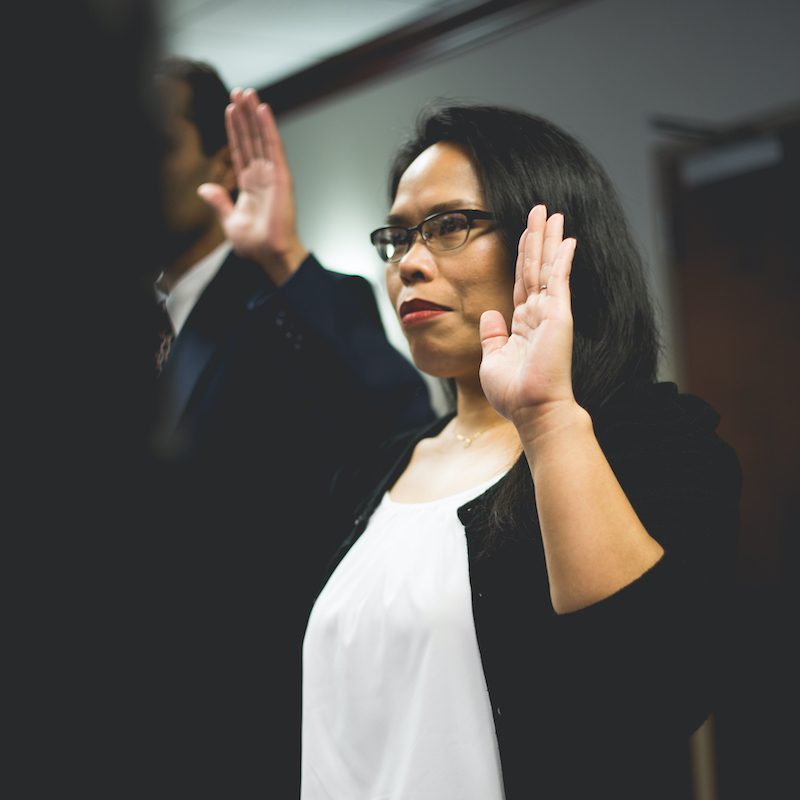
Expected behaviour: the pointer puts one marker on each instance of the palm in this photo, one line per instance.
(531, 367)
(256, 214)
(261, 225)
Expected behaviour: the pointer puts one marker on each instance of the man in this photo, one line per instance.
(279, 371)
(212, 292)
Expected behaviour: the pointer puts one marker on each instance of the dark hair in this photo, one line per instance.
(209, 98)
(521, 160)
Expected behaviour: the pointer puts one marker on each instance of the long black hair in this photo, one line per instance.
(522, 160)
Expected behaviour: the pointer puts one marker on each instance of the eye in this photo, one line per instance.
(391, 242)
(446, 226)
(395, 236)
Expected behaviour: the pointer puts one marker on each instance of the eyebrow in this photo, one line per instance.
(447, 205)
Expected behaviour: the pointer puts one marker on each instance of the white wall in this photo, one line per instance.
(601, 70)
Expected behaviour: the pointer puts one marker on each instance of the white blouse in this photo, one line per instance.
(395, 705)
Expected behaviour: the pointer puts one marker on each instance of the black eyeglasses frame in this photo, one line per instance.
(471, 214)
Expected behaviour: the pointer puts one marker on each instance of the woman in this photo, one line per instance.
(530, 594)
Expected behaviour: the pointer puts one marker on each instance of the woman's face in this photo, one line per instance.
(439, 296)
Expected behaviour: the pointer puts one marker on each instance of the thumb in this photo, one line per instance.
(216, 196)
(493, 331)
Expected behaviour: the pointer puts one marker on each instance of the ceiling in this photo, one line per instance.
(258, 42)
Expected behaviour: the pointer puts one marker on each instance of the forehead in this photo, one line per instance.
(442, 175)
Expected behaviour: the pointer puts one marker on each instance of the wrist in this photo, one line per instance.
(551, 423)
(280, 264)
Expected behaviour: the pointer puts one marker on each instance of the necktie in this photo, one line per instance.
(166, 335)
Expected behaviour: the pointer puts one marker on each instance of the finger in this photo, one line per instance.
(561, 269)
(520, 295)
(244, 143)
(216, 196)
(234, 143)
(553, 236)
(532, 260)
(493, 331)
(271, 136)
(236, 95)
(250, 108)
(554, 233)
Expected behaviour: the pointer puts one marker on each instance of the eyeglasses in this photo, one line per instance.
(445, 230)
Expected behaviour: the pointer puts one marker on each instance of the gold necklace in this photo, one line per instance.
(466, 441)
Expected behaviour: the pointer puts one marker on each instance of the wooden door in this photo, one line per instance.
(736, 290)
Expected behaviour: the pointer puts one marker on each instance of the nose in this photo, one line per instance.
(417, 265)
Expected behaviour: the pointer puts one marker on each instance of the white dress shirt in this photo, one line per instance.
(186, 292)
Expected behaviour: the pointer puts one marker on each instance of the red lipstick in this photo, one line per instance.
(418, 310)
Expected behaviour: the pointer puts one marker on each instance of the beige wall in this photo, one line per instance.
(601, 69)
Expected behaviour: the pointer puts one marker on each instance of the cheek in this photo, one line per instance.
(177, 175)
(505, 298)
(502, 282)
(393, 283)
(482, 289)
(185, 162)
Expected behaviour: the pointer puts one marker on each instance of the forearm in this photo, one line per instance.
(594, 543)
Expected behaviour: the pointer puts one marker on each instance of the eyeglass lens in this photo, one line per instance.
(444, 231)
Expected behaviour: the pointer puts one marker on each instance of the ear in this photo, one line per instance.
(222, 168)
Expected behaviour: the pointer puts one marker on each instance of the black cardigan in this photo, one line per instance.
(599, 702)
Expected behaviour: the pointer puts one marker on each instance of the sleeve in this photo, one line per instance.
(339, 311)
(657, 648)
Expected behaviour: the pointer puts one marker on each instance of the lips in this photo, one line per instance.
(420, 309)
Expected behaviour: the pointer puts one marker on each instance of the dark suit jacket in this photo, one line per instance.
(265, 392)
(265, 377)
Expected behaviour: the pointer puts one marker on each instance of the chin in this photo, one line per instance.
(444, 365)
